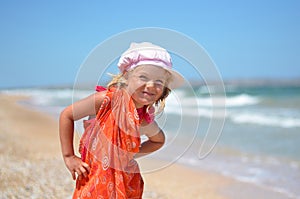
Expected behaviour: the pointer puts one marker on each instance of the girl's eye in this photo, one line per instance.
(143, 78)
(159, 82)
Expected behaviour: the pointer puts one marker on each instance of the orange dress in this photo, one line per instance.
(108, 145)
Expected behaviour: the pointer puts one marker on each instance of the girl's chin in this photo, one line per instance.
(140, 104)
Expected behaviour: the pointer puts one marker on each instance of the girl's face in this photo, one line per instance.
(146, 84)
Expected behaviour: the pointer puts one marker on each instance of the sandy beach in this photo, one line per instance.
(32, 166)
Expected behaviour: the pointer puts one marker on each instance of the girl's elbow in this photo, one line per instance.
(66, 114)
(161, 139)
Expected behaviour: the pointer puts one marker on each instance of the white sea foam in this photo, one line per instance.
(177, 98)
(253, 170)
(50, 97)
(214, 101)
(265, 120)
(241, 100)
(209, 107)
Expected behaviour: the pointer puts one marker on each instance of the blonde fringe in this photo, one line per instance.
(117, 81)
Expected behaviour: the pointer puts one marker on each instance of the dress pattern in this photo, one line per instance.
(108, 145)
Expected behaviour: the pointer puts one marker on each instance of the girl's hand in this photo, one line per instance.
(76, 165)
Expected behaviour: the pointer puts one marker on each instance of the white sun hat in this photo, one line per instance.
(147, 53)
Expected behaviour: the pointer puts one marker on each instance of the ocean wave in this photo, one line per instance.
(276, 178)
(197, 112)
(209, 107)
(218, 101)
(178, 98)
(241, 100)
(265, 120)
(49, 97)
(256, 170)
(177, 103)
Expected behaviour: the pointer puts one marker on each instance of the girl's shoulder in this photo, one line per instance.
(100, 88)
(99, 95)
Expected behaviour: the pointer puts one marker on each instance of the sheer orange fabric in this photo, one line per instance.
(108, 146)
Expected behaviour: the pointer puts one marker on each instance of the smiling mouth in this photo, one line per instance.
(147, 93)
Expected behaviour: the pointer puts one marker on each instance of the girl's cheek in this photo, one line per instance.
(140, 84)
(136, 85)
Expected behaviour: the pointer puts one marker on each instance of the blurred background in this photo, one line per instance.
(255, 46)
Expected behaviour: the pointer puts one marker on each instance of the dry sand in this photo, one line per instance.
(32, 167)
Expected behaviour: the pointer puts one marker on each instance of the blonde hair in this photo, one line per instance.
(119, 81)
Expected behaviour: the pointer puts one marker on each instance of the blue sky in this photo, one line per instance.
(45, 42)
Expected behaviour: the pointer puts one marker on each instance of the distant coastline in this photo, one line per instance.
(272, 82)
(249, 82)
(264, 82)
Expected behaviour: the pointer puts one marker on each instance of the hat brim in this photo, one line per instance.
(177, 79)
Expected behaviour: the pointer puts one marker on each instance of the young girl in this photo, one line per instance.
(124, 111)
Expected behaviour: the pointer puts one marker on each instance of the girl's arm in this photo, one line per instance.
(76, 111)
(156, 139)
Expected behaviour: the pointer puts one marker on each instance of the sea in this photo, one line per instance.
(250, 133)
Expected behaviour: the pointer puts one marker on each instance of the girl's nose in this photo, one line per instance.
(150, 83)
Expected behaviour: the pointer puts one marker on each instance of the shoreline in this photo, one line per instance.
(33, 166)
(246, 82)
